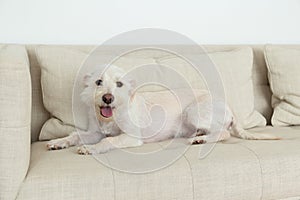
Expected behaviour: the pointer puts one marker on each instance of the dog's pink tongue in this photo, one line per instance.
(106, 111)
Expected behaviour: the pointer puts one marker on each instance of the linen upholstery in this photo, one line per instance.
(283, 63)
(15, 107)
(235, 169)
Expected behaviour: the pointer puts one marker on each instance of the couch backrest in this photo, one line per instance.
(262, 91)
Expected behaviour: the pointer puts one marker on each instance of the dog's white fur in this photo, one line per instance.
(132, 123)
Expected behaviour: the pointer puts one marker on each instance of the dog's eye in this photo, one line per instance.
(119, 84)
(98, 82)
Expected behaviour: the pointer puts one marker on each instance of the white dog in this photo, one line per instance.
(120, 118)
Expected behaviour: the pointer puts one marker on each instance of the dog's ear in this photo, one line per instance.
(86, 79)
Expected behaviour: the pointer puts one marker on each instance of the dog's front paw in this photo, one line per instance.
(197, 140)
(86, 150)
(58, 144)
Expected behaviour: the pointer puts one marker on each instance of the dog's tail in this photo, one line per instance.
(239, 132)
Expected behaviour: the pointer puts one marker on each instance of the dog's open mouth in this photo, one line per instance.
(106, 111)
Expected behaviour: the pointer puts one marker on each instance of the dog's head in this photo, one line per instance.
(106, 91)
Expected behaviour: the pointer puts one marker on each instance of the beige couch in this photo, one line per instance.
(235, 169)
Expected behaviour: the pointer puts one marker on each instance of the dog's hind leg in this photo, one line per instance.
(209, 137)
(209, 121)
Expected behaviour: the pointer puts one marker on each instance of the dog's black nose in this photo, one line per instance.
(108, 98)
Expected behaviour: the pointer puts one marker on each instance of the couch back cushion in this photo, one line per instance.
(283, 63)
(262, 94)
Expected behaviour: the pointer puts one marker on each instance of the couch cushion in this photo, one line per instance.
(235, 71)
(39, 114)
(66, 175)
(59, 67)
(283, 64)
(279, 162)
(262, 92)
(236, 169)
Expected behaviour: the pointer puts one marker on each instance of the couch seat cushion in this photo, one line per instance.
(235, 169)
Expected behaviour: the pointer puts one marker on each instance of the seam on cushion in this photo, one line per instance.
(261, 173)
(191, 172)
(190, 167)
(112, 174)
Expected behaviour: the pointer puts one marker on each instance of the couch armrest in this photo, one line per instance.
(15, 111)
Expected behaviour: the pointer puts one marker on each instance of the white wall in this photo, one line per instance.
(94, 21)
